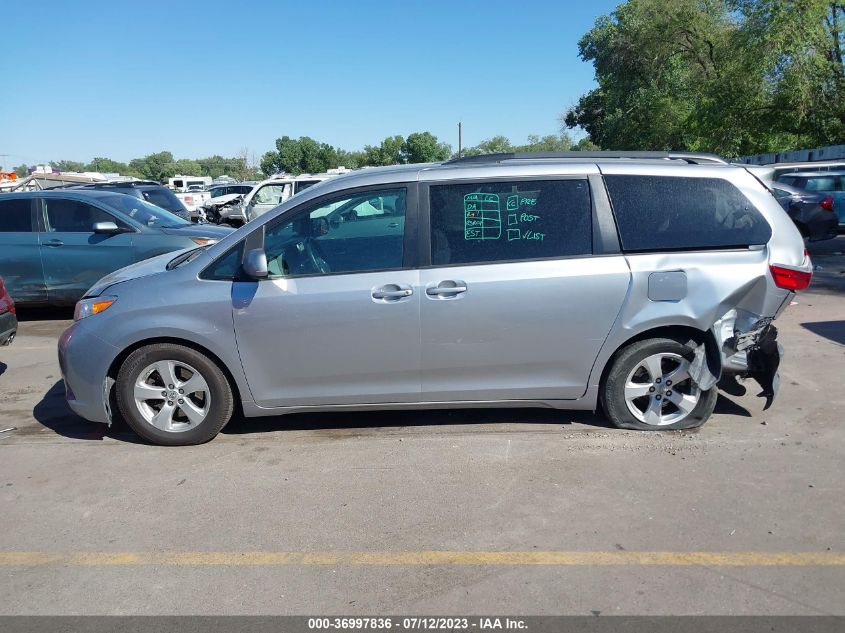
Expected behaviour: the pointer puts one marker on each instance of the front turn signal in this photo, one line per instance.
(203, 241)
(92, 306)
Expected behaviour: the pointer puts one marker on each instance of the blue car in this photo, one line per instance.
(54, 245)
(831, 183)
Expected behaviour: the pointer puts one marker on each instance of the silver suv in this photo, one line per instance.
(630, 281)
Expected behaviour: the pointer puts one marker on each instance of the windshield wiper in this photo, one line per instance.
(184, 258)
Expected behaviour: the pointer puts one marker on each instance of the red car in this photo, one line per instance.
(8, 318)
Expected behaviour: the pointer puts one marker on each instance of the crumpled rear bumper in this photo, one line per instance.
(764, 357)
(752, 351)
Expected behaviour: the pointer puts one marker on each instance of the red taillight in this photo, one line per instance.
(827, 204)
(790, 278)
(189, 200)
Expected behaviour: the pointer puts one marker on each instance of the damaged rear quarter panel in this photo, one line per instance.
(718, 282)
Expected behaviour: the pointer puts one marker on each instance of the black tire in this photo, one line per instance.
(219, 411)
(627, 359)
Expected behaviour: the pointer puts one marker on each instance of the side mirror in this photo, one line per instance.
(106, 228)
(255, 264)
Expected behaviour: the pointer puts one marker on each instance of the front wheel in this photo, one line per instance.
(649, 387)
(173, 395)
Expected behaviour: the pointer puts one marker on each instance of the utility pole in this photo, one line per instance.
(3, 158)
(460, 149)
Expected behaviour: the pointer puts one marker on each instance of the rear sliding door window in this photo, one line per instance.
(659, 213)
(508, 221)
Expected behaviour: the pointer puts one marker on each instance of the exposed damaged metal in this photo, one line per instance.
(754, 349)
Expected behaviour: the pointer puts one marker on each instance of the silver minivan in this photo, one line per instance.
(630, 282)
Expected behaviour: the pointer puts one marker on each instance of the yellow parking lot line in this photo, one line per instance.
(560, 558)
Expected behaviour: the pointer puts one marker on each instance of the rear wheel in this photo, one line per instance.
(649, 387)
(173, 395)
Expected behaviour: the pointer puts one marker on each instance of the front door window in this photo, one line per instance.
(354, 234)
(73, 216)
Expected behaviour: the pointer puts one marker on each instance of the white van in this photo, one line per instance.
(184, 183)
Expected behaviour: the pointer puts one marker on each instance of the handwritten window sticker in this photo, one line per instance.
(482, 216)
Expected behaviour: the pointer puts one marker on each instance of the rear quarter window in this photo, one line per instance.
(164, 198)
(660, 213)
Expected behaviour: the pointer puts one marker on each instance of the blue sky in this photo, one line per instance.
(123, 79)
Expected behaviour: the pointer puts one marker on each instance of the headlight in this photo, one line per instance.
(94, 305)
(203, 241)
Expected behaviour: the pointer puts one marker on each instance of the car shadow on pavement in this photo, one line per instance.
(53, 412)
(3, 367)
(46, 313)
(397, 419)
(726, 406)
(831, 330)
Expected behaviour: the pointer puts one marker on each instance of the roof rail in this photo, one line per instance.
(690, 157)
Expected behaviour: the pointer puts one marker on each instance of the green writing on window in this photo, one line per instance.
(482, 216)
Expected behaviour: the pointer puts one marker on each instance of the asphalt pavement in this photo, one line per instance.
(442, 512)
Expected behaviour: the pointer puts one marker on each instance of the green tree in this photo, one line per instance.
(158, 166)
(586, 145)
(496, 145)
(731, 76)
(351, 160)
(187, 167)
(309, 161)
(107, 165)
(297, 156)
(389, 152)
(22, 170)
(268, 163)
(423, 147)
(67, 165)
(549, 143)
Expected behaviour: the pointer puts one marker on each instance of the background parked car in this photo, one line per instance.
(829, 182)
(813, 213)
(272, 192)
(8, 317)
(148, 190)
(241, 188)
(225, 199)
(54, 245)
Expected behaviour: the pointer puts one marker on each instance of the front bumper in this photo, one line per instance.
(233, 213)
(84, 360)
(8, 328)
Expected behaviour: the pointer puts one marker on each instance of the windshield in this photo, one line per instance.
(144, 212)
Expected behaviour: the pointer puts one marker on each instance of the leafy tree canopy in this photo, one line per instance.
(730, 76)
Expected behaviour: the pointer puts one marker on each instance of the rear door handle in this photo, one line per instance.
(447, 289)
(54, 243)
(392, 292)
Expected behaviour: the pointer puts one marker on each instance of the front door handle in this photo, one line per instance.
(447, 289)
(54, 243)
(392, 292)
